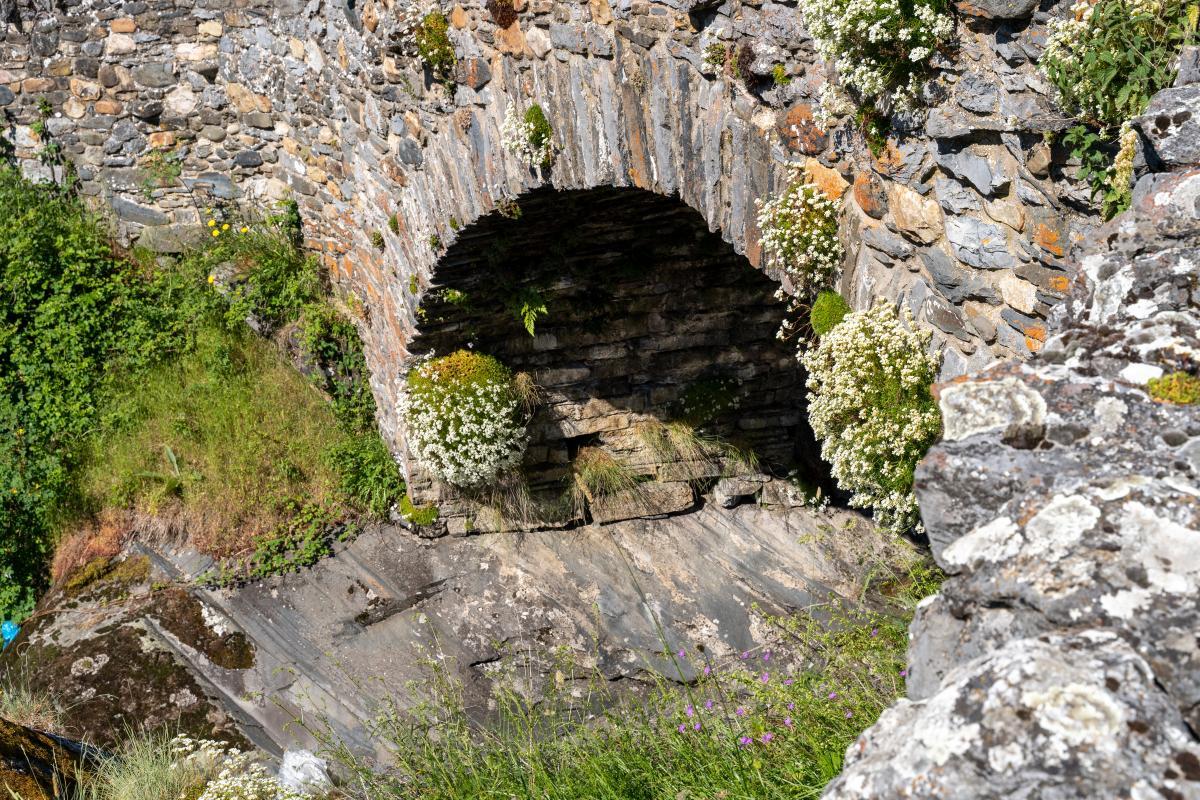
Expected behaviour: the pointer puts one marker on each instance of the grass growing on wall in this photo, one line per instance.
(133, 385)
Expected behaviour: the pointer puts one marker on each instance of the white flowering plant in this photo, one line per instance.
(528, 135)
(1106, 59)
(227, 773)
(880, 48)
(799, 235)
(465, 418)
(870, 405)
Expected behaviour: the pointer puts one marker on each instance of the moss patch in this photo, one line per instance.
(1180, 388)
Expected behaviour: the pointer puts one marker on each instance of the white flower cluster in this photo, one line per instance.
(464, 432)
(231, 774)
(799, 235)
(877, 47)
(1070, 60)
(520, 136)
(408, 19)
(869, 404)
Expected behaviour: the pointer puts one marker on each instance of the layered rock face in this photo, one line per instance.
(1061, 658)
(966, 216)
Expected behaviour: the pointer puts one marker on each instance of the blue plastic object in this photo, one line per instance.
(9, 631)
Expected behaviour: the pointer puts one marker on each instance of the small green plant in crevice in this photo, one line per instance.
(414, 285)
(394, 223)
(418, 515)
(1106, 60)
(714, 56)
(529, 305)
(161, 168)
(464, 418)
(377, 240)
(871, 407)
(529, 135)
(875, 128)
(780, 75)
(435, 242)
(1180, 388)
(827, 311)
(454, 224)
(436, 51)
(509, 208)
(691, 451)
(599, 474)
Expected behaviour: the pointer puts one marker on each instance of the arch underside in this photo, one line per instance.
(649, 317)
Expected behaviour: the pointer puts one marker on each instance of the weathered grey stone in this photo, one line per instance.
(154, 74)
(1171, 125)
(142, 215)
(953, 281)
(248, 158)
(977, 93)
(976, 170)
(978, 243)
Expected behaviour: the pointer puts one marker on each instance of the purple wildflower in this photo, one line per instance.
(791, 706)
(787, 722)
(874, 632)
(741, 712)
(682, 728)
(708, 704)
(682, 653)
(695, 726)
(788, 682)
(766, 676)
(691, 712)
(833, 695)
(849, 714)
(767, 656)
(745, 654)
(745, 740)
(767, 737)
(708, 670)
(904, 673)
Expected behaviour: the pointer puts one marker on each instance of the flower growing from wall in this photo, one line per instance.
(433, 43)
(528, 135)
(880, 48)
(1106, 60)
(226, 773)
(870, 405)
(799, 236)
(464, 419)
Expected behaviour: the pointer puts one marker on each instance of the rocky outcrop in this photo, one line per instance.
(336, 641)
(1061, 657)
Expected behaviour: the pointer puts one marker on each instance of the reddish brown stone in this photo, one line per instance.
(801, 132)
(870, 194)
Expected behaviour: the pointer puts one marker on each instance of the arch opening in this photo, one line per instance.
(629, 313)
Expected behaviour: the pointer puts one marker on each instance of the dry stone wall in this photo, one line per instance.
(966, 216)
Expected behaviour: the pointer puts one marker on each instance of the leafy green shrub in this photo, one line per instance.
(881, 49)
(423, 515)
(367, 473)
(828, 310)
(1177, 387)
(870, 405)
(463, 418)
(434, 47)
(1107, 59)
(75, 317)
(714, 56)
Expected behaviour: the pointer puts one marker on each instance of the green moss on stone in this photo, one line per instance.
(1180, 388)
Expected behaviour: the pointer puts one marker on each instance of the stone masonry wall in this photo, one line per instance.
(966, 216)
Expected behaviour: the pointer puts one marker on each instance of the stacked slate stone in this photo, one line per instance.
(1060, 659)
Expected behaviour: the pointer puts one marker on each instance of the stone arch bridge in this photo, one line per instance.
(960, 217)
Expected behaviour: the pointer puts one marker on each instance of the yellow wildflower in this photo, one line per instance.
(212, 223)
(212, 278)
(245, 229)
(225, 227)
(216, 233)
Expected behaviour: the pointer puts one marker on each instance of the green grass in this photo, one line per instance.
(229, 435)
(146, 769)
(755, 725)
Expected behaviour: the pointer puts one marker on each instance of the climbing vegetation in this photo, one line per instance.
(870, 405)
(464, 418)
(1106, 60)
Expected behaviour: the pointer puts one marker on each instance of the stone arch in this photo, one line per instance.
(650, 317)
